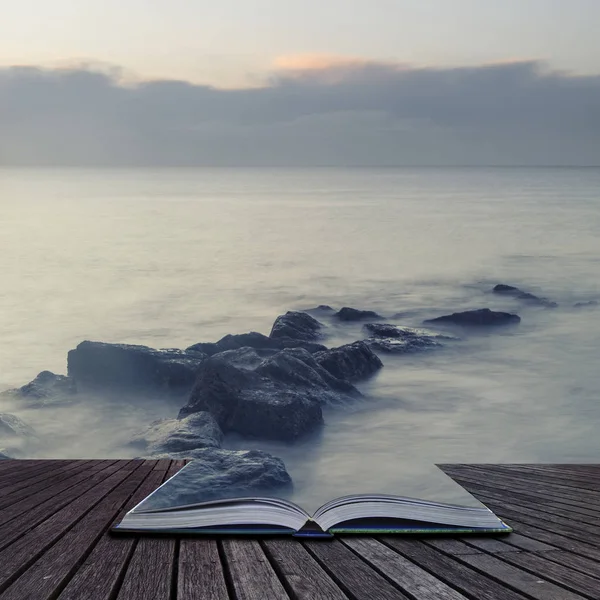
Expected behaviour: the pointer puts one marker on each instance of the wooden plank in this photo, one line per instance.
(449, 570)
(27, 549)
(545, 502)
(14, 465)
(19, 476)
(250, 573)
(356, 578)
(452, 546)
(300, 571)
(11, 492)
(532, 585)
(101, 573)
(45, 577)
(150, 574)
(560, 574)
(514, 541)
(565, 477)
(574, 562)
(25, 516)
(411, 578)
(200, 573)
(513, 484)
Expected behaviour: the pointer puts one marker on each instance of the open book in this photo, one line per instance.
(178, 506)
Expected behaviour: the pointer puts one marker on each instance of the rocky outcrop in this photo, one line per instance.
(351, 362)
(483, 317)
(4, 456)
(255, 340)
(217, 474)
(198, 430)
(278, 397)
(353, 314)
(297, 326)
(46, 389)
(515, 292)
(322, 309)
(400, 340)
(127, 366)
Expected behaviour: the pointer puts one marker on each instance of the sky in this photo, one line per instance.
(373, 81)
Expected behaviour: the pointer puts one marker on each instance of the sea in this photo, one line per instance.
(171, 257)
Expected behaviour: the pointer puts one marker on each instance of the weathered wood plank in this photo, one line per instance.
(14, 466)
(560, 574)
(451, 571)
(574, 562)
(409, 577)
(301, 572)
(27, 549)
(510, 543)
(356, 578)
(21, 478)
(51, 571)
(518, 579)
(251, 575)
(101, 573)
(200, 575)
(20, 518)
(150, 572)
(580, 480)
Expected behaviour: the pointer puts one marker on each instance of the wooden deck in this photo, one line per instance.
(54, 543)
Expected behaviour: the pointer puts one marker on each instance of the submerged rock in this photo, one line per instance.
(12, 427)
(255, 340)
(279, 397)
(483, 317)
(297, 326)
(124, 365)
(515, 292)
(216, 474)
(396, 339)
(198, 430)
(353, 314)
(588, 304)
(351, 362)
(46, 389)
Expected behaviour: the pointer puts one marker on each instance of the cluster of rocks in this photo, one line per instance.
(16, 436)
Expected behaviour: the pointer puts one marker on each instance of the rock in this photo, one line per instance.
(198, 430)
(322, 309)
(395, 339)
(255, 340)
(3, 456)
(12, 427)
(123, 365)
(588, 304)
(352, 314)
(351, 362)
(277, 398)
(515, 292)
(483, 317)
(297, 326)
(216, 474)
(46, 389)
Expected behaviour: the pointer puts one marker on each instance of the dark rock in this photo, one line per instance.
(400, 340)
(124, 365)
(4, 456)
(255, 340)
(352, 314)
(483, 317)
(216, 474)
(515, 292)
(198, 430)
(322, 309)
(277, 398)
(46, 389)
(588, 304)
(297, 326)
(351, 362)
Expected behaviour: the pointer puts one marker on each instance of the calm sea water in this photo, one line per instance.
(172, 257)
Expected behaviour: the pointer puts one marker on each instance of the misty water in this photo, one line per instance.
(171, 257)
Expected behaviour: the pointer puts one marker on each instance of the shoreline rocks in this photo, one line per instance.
(46, 389)
(394, 339)
(99, 364)
(483, 317)
(351, 362)
(515, 292)
(198, 430)
(224, 474)
(296, 325)
(352, 314)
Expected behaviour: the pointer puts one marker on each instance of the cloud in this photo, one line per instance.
(313, 109)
